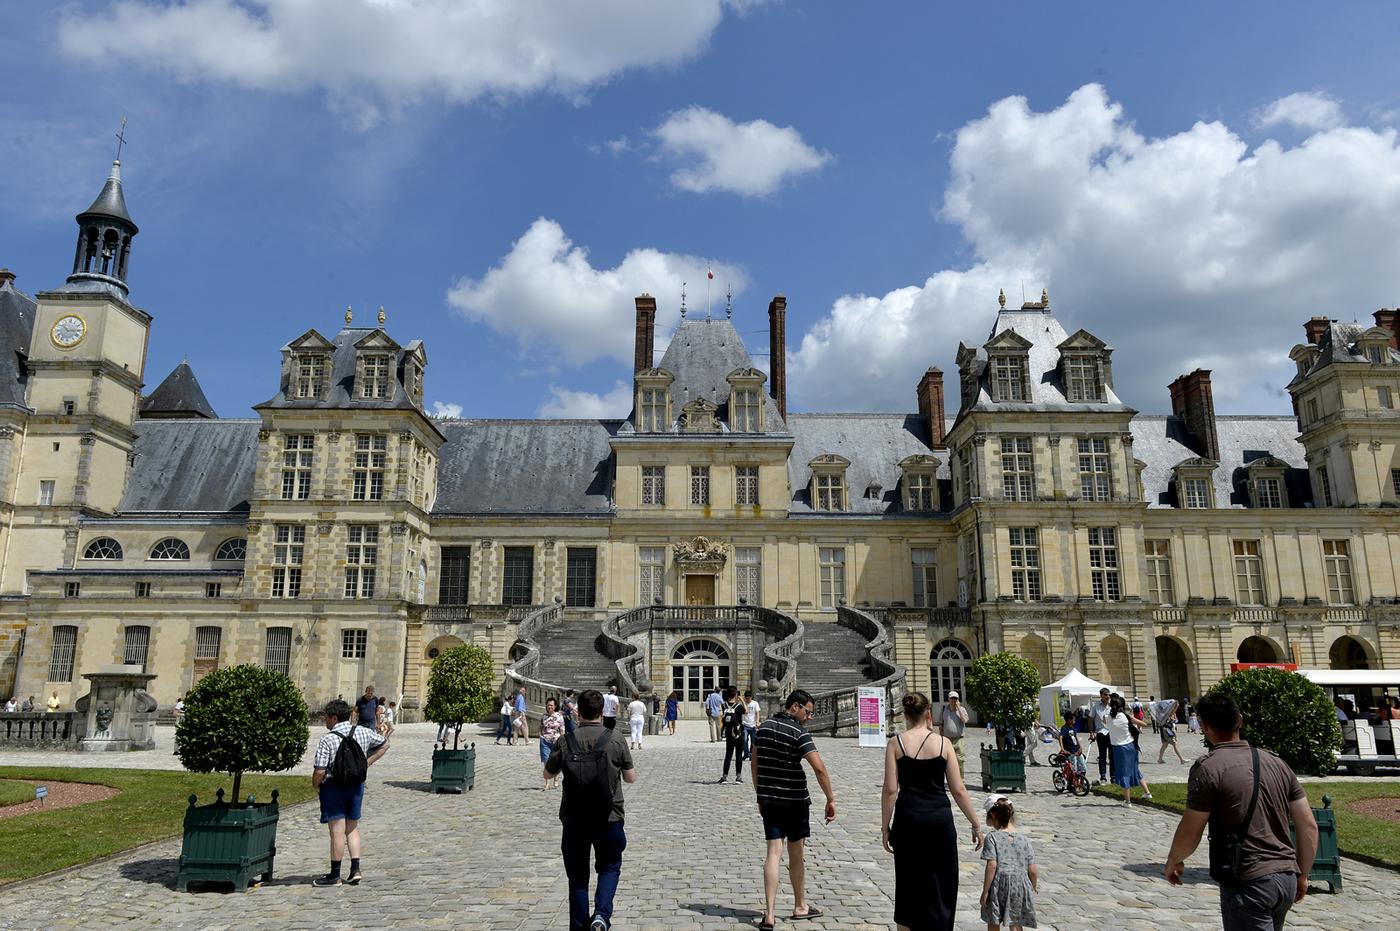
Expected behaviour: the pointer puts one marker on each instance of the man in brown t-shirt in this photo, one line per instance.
(1273, 875)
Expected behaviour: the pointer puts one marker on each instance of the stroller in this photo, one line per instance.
(1070, 773)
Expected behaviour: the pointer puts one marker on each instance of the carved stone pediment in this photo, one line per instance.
(700, 553)
(699, 416)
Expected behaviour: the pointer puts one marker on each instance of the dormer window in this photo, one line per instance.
(653, 401)
(1009, 378)
(746, 400)
(1266, 485)
(1193, 485)
(828, 488)
(413, 382)
(920, 483)
(374, 376)
(309, 376)
(1376, 354)
(1082, 378)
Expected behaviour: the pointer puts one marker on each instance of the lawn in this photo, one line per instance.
(151, 806)
(13, 793)
(1374, 840)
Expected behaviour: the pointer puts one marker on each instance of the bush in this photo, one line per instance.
(461, 687)
(1003, 688)
(242, 719)
(1287, 714)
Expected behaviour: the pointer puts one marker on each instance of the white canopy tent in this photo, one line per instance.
(1080, 689)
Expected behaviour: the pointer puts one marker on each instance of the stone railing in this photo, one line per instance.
(55, 731)
(456, 614)
(836, 711)
(521, 672)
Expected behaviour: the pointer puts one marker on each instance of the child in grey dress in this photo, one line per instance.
(1009, 884)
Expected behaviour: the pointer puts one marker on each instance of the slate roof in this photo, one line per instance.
(192, 466)
(1162, 442)
(17, 311)
(874, 444)
(110, 201)
(342, 389)
(1338, 345)
(525, 467)
(178, 396)
(700, 356)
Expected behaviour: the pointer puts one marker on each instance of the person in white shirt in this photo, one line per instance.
(752, 715)
(610, 703)
(11, 706)
(953, 723)
(636, 720)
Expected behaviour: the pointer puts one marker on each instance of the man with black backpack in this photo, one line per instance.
(340, 768)
(595, 762)
(1247, 796)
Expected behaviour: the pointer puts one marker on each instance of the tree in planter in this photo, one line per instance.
(1003, 688)
(460, 688)
(1286, 713)
(242, 719)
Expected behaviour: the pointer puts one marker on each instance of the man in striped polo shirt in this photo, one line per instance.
(780, 745)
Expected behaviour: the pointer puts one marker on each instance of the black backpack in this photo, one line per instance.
(588, 795)
(350, 766)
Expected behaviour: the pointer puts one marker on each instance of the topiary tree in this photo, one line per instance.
(242, 719)
(461, 688)
(1003, 688)
(1286, 713)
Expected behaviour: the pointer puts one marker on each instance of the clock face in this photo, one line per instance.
(68, 331)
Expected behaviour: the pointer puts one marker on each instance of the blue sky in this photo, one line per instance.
(1191, 182)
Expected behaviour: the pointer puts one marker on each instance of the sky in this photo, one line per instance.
(1189, 182)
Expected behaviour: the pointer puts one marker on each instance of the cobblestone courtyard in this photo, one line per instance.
(488, 860)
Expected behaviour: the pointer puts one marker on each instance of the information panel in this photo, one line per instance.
(872, 711)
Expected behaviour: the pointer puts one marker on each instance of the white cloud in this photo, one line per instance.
(394, 49)
(1305, 110)
(1185, 250)
(717, 154)
(449, 410)
(547, 295)
(585, 405)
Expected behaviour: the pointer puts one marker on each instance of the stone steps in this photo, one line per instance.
(832, 657)
(569, 656)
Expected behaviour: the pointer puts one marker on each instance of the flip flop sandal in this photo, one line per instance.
(765, 926)
(812, 912)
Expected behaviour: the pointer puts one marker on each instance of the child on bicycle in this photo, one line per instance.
(1069, 743)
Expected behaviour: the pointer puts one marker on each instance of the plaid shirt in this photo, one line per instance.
(366, 737)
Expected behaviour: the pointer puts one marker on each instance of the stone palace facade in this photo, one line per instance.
(345, 537)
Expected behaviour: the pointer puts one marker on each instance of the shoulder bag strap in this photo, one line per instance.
(1253, 798)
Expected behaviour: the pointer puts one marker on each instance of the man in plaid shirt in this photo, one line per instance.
(340, 805)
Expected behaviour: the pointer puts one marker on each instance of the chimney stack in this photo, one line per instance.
(777, 352)
(7, 277)
(1315, 327)
(1390, 319)
(646, 332)
(931, 405)
(1193, 402)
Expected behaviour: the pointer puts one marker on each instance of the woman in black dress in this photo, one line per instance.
(917, 821)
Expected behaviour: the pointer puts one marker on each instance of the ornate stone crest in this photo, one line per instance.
(700, 554)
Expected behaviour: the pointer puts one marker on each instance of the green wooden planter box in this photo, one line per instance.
(454, 770)
(1327, 866)
(1003, 770)
(228, 843)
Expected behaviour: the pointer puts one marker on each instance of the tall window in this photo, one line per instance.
(925, 577)
(1083, 374)
(1313, 411)
(1383, 397)
(1395, 481)
(1267, 493)
(651, 574)
(748, 574)
(1197, 492)
(206, 650)
(746, 408)
(581, 577)
(832, 560)
(1249, 573)
(699, 484)
(1094, 475)
(746, 485)
(297, 449)
(1336, 559)
(518, 575)
(418, 491)
(1159, 571)
(361, 560)
(1324, 484)
(654, 485)
(46, 492)
(831, 491)
(1025, 563)
(920, 491)
(1017, 468)
(1375, 354)
(454, 575)
(371, 449)
(137, 643)
(1009, 378)
(289, 540)
(65, 646)
(375, 383)
(654, 411)
(277, 653)
(1103, 564)
(353, 643)
(311, 376)
(967, 468)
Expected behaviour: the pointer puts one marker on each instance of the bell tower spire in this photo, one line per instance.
(105, 231)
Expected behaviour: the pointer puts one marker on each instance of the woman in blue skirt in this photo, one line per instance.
(1121, 734)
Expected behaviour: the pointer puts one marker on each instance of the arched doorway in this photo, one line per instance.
(1173, 669)
(1117, 662)
(1258, 650)
(1348, 653)
(425, 663)
(949, 661)
(1036, 651)
(697, 666)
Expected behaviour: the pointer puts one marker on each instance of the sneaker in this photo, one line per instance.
(356, 877)
(326, 880)
(721, 780)
(598, 924)
(738, 780)
(1147, 795)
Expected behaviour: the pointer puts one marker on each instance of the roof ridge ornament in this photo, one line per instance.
(728, 302)
(381, 316)
(349, 314)
(1044, 299)
(1001, 298)
(682, 300)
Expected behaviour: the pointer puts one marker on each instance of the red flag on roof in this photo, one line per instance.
(709, 274)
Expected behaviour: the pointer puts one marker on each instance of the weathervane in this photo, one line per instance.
(728, 302)
(121, 139)
(682, 300)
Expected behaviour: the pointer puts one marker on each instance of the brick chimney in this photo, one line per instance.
(7, 277)
(1315, 327)
(931, 405)
(646, 332)
(1390, 319)
(1193, 402)
(777, 352)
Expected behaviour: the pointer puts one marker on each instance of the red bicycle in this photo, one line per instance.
(1069, 774)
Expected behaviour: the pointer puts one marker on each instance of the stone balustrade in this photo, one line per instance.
(836, 712)
(59, 730)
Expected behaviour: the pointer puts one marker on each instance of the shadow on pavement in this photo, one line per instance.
(723, 911)
(1194, 875)
(159, 871)
(413, 785)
